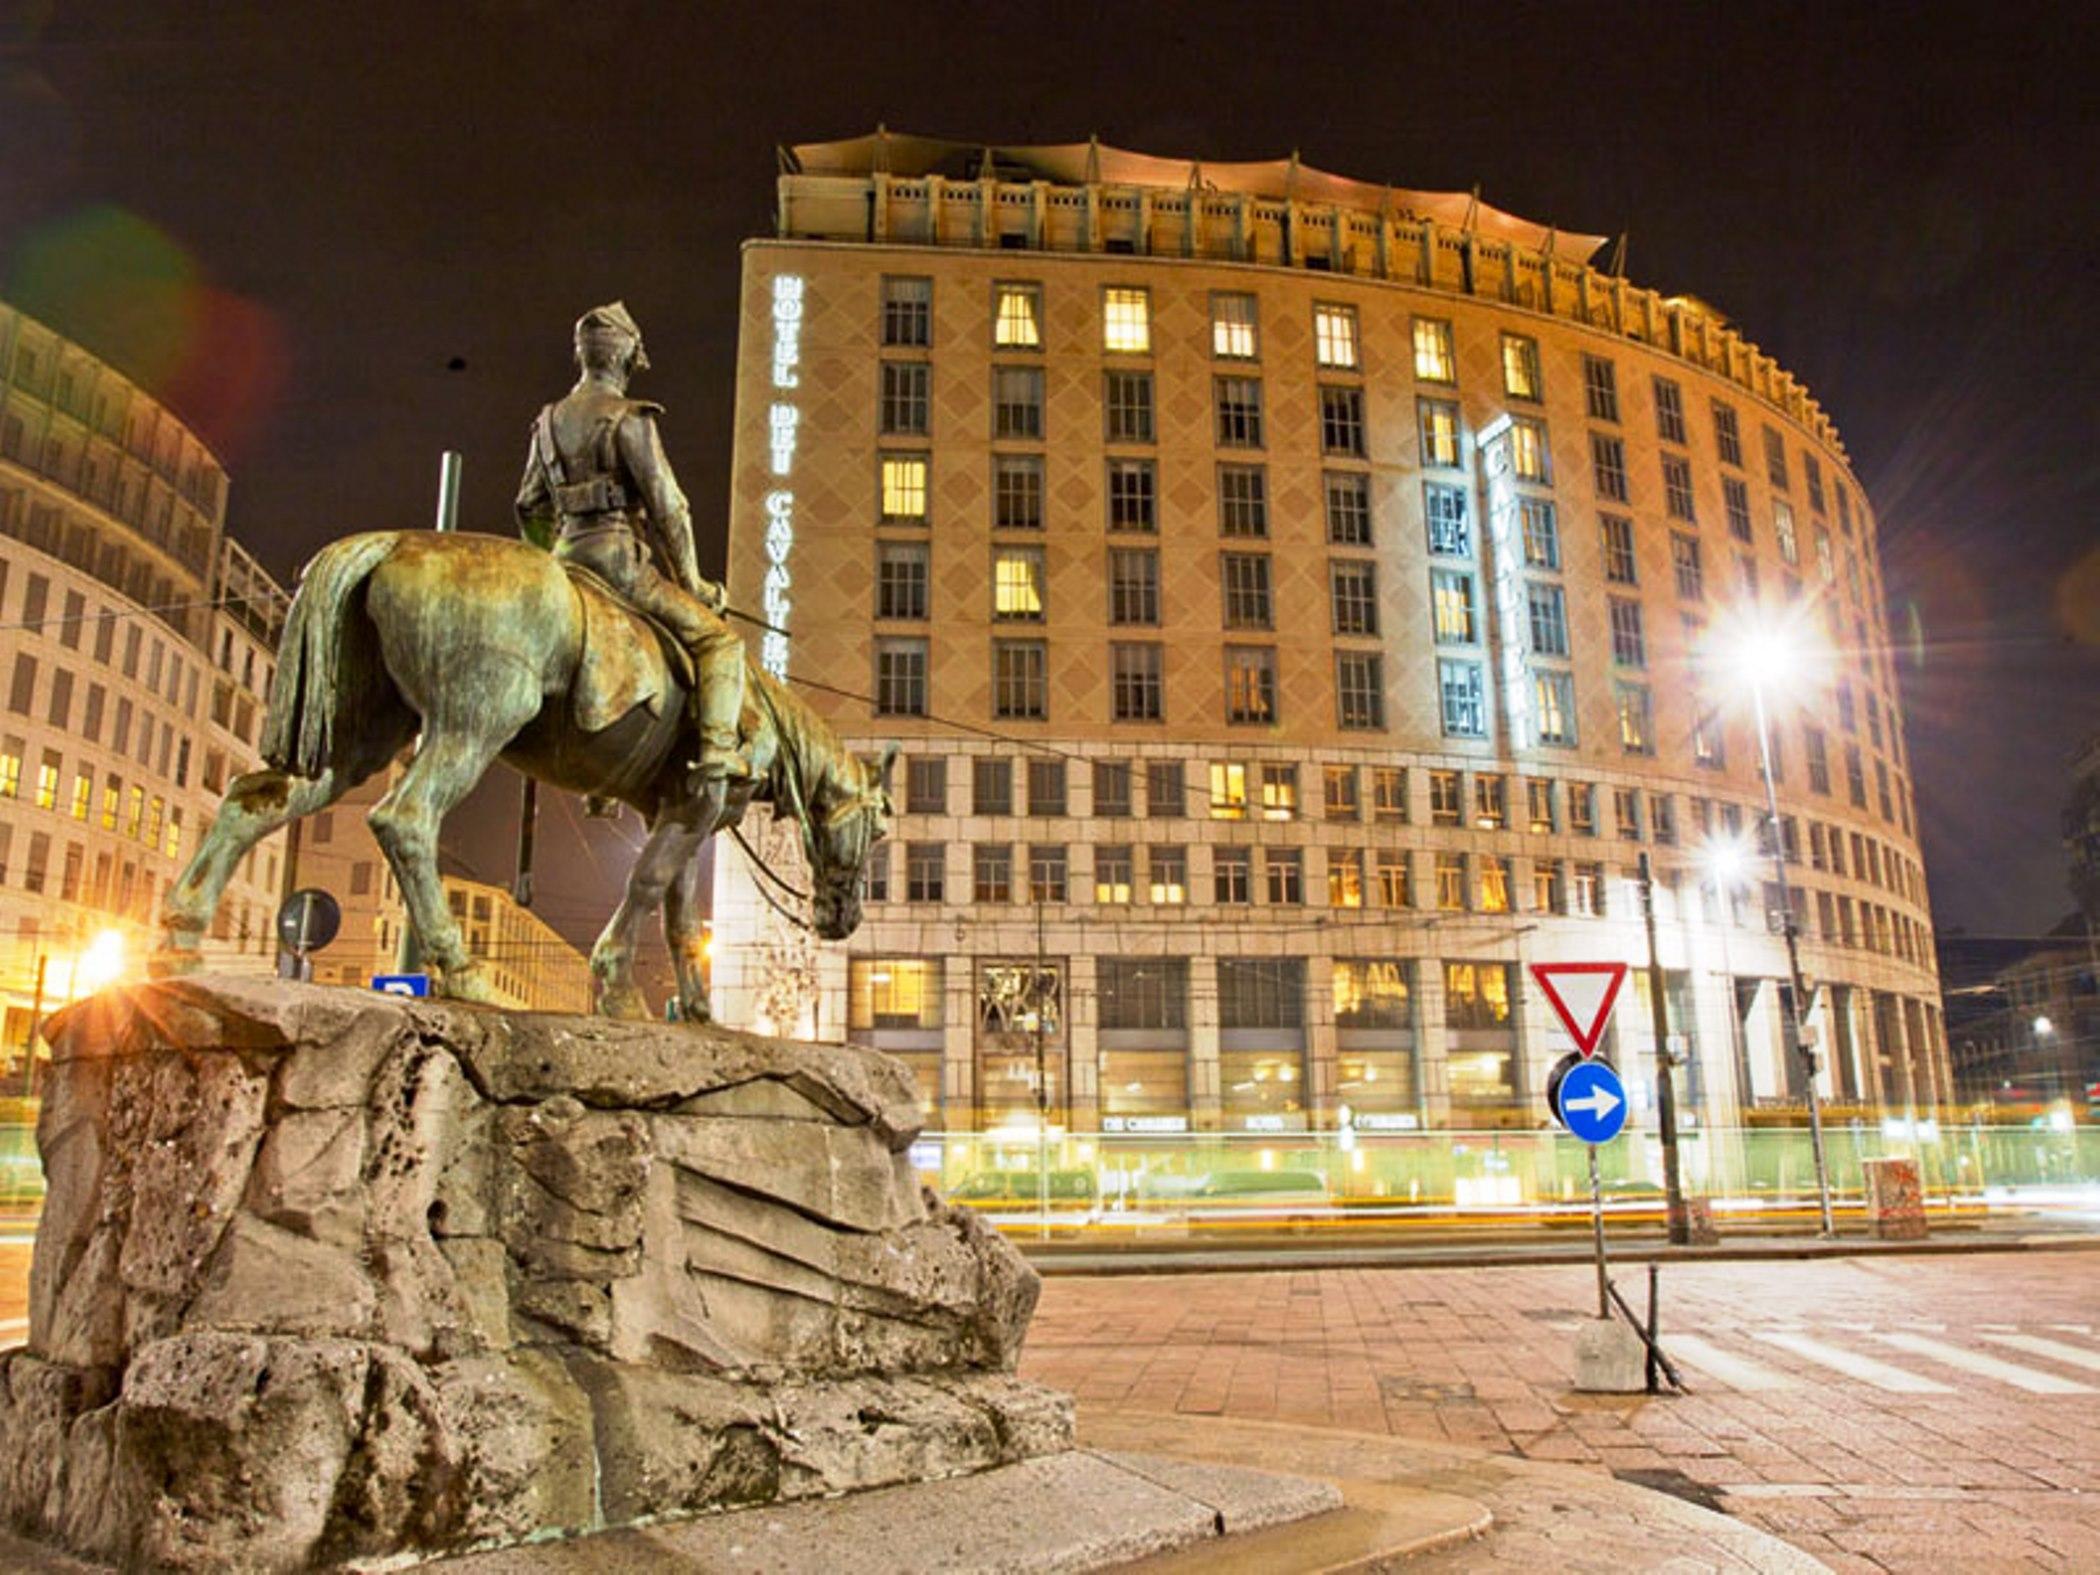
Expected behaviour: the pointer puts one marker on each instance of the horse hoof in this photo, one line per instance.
(467, 984)
(625, 1005)
(694, 1011)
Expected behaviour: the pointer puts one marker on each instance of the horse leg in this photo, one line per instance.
(671, 840)
(255, 805)
(683, 935)
(446, 765)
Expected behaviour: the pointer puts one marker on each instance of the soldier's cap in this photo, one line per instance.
(613, 319)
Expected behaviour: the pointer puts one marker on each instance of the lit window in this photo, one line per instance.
(83, 796)
(1279, 792)
(1520, 367)
(1017, 584)
(47, 790)
(1126, 320)
(1494, 885)
(904, 488)
(893, 992)
(1636, 718)
(1451, 594)
(1434, 360)
(1553, 706)
(1527, 450)
(1018, 324)
(1167, 871)
(1345, 878)
(1439, 432)
(1250, 683)
(1112, 873)
(1228, 791)
(1334, 335)
(1234, 328)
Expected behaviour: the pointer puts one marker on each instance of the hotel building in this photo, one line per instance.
(1292, 598)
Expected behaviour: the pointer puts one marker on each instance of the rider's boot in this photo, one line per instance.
(718, 707)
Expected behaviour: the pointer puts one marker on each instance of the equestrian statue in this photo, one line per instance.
(590, 655)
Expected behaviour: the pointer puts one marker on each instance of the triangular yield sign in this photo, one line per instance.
(1582, 996)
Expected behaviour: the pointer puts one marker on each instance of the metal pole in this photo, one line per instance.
(1597, 1229)
(1042, 1082)
(449, 464)
(1679, 1224)
(1798, 993)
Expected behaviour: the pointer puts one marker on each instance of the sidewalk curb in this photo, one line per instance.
(1541, 1514)
(1283, 1259)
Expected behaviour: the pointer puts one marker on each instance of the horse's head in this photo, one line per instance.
(845, 824)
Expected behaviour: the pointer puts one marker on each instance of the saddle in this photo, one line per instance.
(613, 672)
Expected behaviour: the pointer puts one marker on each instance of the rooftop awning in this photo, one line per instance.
(1079, 163)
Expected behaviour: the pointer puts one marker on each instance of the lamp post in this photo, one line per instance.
(1759, 654)
(1678, 1222)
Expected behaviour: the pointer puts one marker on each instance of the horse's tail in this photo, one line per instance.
(320, 662)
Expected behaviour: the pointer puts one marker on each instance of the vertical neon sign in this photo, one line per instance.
(783, 423)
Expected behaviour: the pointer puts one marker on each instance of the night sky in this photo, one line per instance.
(340, 238)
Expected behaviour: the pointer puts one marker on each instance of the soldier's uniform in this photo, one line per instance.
(599, 492)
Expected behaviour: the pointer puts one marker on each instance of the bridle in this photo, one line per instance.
(863, 802)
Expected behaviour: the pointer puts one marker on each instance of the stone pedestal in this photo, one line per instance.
(1895, 1201)
(326, 1275)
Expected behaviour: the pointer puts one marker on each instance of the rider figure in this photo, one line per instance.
(599, 492)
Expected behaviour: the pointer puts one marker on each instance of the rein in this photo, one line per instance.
(791, 772)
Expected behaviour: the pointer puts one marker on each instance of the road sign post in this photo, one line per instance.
(306, 922)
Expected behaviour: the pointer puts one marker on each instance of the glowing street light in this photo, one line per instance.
(2043, 1027)
(100, 963)
(1755, 648)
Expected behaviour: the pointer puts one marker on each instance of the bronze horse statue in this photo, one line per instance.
(479, 649)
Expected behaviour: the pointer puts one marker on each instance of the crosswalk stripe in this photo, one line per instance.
(1987, 1366)
(1738, 1372)
(1865, 1368)
(2055, 1350)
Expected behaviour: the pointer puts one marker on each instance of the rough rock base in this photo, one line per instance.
(324, 1275)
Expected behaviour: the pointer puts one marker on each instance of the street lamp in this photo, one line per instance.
(1756, 651)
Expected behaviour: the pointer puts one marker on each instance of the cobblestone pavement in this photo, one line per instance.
(1889, 1413)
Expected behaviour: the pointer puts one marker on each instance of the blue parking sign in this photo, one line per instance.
(401, 983)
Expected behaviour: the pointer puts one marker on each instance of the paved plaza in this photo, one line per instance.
(1888, 1413)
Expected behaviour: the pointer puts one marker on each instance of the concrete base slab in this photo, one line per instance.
(1078, 1511)
(1610, 1358)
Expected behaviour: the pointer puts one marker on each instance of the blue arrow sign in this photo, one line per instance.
(401, 983)
(1592, 1102)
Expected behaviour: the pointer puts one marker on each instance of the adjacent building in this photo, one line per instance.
(136, 644)
(1293, 597)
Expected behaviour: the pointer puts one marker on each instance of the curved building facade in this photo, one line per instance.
(136, 642)
(1294, 602)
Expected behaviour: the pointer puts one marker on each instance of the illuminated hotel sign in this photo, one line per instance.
(1504, 534)
(783, 421)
